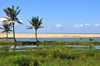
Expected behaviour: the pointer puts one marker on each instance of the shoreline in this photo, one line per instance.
(29, 35)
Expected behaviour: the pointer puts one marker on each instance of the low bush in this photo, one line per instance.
(5, 48)
(90, 39)
(20, 60)
(23, 62)
(62, 53)
(36, 62)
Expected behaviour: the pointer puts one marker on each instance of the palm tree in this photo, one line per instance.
(6, 29)
(36, 24)
(12, 17)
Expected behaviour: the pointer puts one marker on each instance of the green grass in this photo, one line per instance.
(92, 43)
(56, 56)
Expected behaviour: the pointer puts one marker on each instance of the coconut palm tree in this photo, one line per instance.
(12, 17)
(36, 24)
(6, 29)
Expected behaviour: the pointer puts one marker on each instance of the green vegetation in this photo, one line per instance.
(90, 39)
(57, 56)
(86, 43)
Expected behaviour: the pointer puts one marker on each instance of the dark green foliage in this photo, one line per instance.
(36, 62)
(91, 39)
(90, 54)
(43, 53)
(62, 53)
(5, 48)
(23, 62)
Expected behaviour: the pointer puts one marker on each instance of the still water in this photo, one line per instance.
(78, 47)
(52, 39)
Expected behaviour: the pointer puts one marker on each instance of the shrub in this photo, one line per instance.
(20, 60)
(62, 53)
(36, 63)
(90, 39)
(5, 48)
(44, 53)
(23, 62)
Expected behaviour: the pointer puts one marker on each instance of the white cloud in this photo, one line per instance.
(78, 26)
(96, 25)
(1, 20)
(58, 25)
(87, 24)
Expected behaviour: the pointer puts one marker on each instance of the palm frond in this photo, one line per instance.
(18, 12)
(30, 22)
(35, 22)
(13, 6)
(16, 19)
(10, 30)
(1, 28)
(7, 12)
(17, 7)
(3, 31)
(29, 27)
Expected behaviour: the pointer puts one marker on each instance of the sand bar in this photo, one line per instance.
(26, 35)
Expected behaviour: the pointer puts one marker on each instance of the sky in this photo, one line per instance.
(59, 16)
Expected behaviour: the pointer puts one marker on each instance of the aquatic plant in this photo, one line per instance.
(90, 39)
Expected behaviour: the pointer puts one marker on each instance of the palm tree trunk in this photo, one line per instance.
(7, 35)
(36, 34)
(36, 37)
(14, 33)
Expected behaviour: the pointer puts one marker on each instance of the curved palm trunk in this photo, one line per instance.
(14, 33)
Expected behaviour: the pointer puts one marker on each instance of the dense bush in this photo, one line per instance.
(20, 60)
(90, 39)
(36, 63)
(61, 52)
(5, 48)
(23, 62)
(44, 53)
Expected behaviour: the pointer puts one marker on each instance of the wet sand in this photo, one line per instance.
(26, 35)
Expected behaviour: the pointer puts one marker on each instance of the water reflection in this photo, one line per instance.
(80, 47)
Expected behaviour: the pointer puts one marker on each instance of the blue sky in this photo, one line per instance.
(59, 16)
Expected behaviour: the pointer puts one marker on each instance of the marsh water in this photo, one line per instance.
(78, 47)
(52, 39)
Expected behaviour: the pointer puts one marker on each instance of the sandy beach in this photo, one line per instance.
(26, 35)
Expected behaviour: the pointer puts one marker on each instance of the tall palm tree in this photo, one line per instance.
(6, 29)
(36, 24)
(12, 17)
